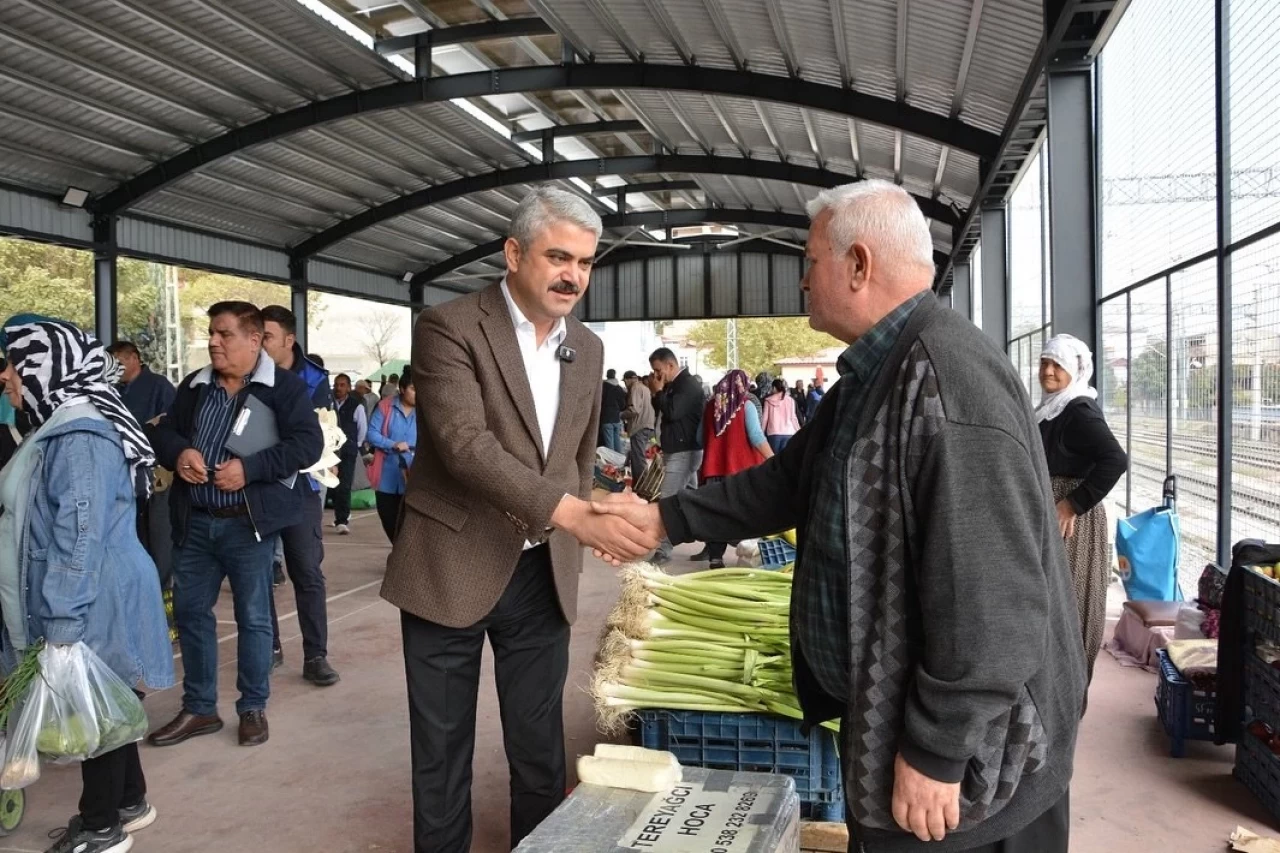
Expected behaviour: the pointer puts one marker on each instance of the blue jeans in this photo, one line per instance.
(777, 442)
(611, 437)
(216, 548)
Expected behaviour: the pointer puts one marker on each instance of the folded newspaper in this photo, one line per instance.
(325, 469)
(1246, 842)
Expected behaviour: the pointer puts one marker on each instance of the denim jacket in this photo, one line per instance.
(85, 576)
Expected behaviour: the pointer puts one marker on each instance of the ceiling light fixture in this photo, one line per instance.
(75, 197)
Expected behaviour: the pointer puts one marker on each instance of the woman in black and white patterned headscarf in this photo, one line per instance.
(72, 571)
(57, 363)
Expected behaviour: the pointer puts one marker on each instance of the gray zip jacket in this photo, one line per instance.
(964, 637)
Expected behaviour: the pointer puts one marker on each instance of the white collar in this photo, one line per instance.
(520, 321)
(264, 373)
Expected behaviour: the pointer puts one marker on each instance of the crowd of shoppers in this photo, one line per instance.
(943, 633)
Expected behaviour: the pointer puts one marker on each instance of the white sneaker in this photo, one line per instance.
(343, 530)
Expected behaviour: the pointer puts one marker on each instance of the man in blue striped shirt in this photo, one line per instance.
(227, 513)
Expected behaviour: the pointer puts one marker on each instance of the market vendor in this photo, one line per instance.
(72, 486)
(932, 612)
(508, 396)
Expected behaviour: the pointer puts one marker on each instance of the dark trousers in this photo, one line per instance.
(342, 494)
(1048, 833)
(112, 782)
(530, 640)
(636, 459)
(389, 513)
(303, 554)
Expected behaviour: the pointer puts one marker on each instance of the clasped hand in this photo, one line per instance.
(618, 529)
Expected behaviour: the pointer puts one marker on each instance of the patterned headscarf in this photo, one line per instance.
(1071, 354)
(730, 395)
(58, 363)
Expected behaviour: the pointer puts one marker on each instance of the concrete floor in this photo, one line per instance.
(335, 775)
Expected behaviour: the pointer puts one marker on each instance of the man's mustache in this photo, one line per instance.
(566, 287)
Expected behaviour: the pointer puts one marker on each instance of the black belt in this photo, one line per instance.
(225, 512)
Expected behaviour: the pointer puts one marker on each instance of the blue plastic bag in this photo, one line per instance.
(1148, 545)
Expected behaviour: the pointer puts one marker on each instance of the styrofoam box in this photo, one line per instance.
(711, 811)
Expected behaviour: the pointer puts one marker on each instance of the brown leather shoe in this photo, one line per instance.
(185, 725)
(253, 728)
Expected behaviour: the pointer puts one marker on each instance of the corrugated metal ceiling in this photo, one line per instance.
(94, 92)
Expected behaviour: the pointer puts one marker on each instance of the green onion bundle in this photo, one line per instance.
(715, 640)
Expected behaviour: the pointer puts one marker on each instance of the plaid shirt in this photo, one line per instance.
(822, 581)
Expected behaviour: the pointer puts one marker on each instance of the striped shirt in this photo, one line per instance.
(213, 428)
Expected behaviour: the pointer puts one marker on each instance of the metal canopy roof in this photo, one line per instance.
(305, 127)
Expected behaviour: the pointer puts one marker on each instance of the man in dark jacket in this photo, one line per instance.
(933, 612)
(145, 394)
(798, 397)
(815, 397)
(302, 543)
(354, 423)
(227, 512)
(679, 401)
(612, 401)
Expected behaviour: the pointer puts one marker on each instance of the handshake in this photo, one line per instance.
(618, 529)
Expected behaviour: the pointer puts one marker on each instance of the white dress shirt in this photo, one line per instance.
(541, 367)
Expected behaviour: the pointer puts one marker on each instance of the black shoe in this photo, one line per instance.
(76, 839)
(717, 564)
(701, 555)
(138, 817)
(253, 728)
(319, 673)
(277, 574)
(277, 658)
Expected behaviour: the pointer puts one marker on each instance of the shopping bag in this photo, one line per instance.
(1148, 545)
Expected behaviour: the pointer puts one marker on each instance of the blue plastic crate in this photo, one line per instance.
(1187, 713)
(776, 553)
(759, 743)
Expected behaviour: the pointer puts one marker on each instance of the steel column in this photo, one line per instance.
(105, 285)
(962, 289)
(1226, 378)
(298, 294)
(1072, 206)
(995, 275)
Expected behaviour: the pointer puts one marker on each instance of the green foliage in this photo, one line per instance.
(58, 282)
(761, 342)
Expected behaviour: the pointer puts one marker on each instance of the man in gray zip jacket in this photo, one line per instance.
(932, 609)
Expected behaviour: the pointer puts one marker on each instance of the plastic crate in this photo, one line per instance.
(758, 743)
(776, 552)
(1187, 713)
(604, 481)
(1262, 690)
(1262, 605)
(1259, 769)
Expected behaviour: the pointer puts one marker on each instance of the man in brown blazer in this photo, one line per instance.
(496, 511)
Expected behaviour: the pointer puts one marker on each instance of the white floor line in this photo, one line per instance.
(290, 615)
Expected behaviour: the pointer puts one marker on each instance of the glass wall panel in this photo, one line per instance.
(1026, 253)
(44, 279)
(359, 337)
(1158, 140)
(1255, 469)
(1255, 91)
(1112, 378)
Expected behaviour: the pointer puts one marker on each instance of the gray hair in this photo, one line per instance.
(879, 213)
(544, 207)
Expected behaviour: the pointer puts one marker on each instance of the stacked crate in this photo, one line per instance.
(1257, 764)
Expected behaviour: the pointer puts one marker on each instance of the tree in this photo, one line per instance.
(761, 342)
(379, 327)
(1148, 378)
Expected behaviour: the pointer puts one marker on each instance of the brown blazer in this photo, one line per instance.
(479, 485)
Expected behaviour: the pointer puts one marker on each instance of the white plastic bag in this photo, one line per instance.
(749, 553)
(76, 708)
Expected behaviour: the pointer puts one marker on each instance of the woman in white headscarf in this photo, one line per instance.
(1085, 462)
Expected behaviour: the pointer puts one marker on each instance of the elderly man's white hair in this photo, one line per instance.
(546, 206)
(878, 213)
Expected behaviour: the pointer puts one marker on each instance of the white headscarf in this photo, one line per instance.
(1069, 353)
